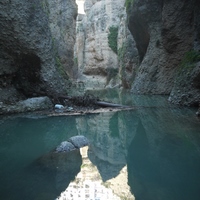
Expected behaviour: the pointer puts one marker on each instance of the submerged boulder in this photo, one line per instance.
(62, 163)
(64, 154)
(58, 169)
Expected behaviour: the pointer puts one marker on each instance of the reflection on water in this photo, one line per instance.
(164, 159)
(88, 184)
(28, 170)
(150, 153)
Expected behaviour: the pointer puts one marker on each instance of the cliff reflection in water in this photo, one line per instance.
(88, 184)
(158, 145)
(103, 173)
(149, 153)
(164, 156)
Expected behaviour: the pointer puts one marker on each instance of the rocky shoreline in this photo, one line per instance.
(61, 105)
(64, 105)
(28, 105)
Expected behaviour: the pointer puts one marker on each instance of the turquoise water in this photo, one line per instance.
(159, 145)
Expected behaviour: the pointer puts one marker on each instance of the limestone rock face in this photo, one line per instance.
(98, 64)
(164, 31)
(36, 47)
(62, 23)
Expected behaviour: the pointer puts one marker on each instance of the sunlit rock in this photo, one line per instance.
(89, 184)
(100, 34)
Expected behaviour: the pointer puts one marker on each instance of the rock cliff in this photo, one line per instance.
(150, 47)
(167, 38)
(36, 47)
(157, 54)
(100, 34)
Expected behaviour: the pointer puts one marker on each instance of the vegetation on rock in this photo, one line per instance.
(190, 58)
(45, 6)
(123, 66)
(188, 62)
(76, 61)
(128, 4)
(187, 65)
(112, 38)
(59, 64)
(60, 68)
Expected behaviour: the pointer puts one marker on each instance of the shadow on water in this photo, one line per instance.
(28, 168)
(47, 177)
(57, 170)
(163, 166)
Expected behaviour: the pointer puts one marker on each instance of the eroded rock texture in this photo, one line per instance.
(98, 64)
(36, 47)
(164, 32)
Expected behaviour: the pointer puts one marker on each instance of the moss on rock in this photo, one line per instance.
(112, 38)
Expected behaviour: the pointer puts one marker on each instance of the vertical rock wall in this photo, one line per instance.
(165, 32)
(159, 55)
(36, 47)
(186, 89)
(62, 22)
(97, 60)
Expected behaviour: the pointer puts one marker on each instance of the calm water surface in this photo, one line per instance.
(149, 153)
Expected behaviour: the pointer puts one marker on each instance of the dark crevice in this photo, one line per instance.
(27, 79)
(139, 29)
(196, 82)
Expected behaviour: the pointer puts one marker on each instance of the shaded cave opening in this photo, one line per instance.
(139, 30)
(27, 78)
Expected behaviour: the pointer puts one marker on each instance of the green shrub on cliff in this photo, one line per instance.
(188, 61)
(112, 38)
(128, 4)
(76, 61)
(45, 6)
(190, 58)
(187, 65)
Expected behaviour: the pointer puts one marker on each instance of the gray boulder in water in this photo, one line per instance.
(65, 147)
(61, 164)
(79, 141)
(73, 143)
